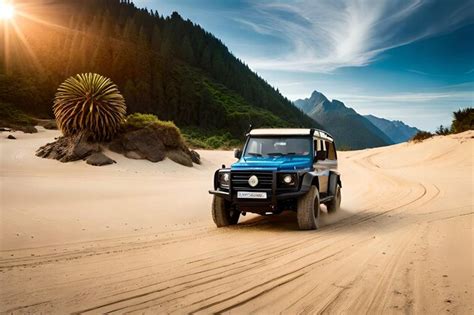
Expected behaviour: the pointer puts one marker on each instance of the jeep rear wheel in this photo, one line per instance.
(308, 210)
(222, 213)
(335, 202)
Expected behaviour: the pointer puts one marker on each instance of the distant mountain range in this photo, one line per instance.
(350, 129)
(396, 130)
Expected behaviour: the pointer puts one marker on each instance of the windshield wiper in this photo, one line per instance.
(274, 153)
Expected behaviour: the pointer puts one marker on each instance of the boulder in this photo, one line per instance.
(170, 137)
(180, 157)
(51, 124)
(195, 157)
(66, 149)
(145, 142)
(24, 128)
(99, 159)
(12, 137)
(133, 155)
(116, 145)
(82, 149)
(28, 129)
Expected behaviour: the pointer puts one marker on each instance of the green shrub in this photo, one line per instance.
(11, 116)
(167, 130)
(139, 120)
(463, 120)
(421, 135)
(443, 131)
(210, 139)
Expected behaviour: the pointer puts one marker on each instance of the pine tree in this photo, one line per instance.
(130, 94)
(156, 39)
(187, 53)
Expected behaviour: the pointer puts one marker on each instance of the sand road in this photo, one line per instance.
(137, 237)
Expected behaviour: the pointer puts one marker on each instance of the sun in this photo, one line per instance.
(7, 11)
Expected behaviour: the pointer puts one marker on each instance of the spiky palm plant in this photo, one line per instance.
(91, 104)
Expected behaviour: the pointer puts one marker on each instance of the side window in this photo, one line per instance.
(321, 146)
(331, 151)
(324, 148)
(316, 146)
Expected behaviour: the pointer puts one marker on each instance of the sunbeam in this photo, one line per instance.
(19, 34)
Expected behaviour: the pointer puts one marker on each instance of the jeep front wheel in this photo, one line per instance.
(222, 213)
(308, 210)
(335, 202)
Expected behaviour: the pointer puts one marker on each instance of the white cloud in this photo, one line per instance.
(326, 35)
(421, 97)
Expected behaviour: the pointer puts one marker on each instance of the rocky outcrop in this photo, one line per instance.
(180, 157)
(15, 127)
(50, 125)
(67, 149)
(195, 157)
(99, 159)
(154, 143)
(47, 123)
(144, 143)
(150, 143)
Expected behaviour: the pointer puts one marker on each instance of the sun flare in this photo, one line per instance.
(7, 11)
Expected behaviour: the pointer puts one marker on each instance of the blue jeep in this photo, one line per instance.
(279, 169)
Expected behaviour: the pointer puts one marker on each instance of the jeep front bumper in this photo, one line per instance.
(275, 193)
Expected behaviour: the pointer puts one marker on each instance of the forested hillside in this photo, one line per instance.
(167, 66)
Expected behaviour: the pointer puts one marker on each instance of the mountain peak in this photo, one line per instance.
(348, 127)
(317, 96)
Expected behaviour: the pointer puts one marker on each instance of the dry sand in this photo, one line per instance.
(138, 237)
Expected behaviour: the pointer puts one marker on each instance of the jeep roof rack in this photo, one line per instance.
(291, 132)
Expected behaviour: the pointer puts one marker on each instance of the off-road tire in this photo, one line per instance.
(335, 202)
(308, 211)
(222, 213)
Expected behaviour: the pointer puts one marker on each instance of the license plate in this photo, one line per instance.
(251, 195)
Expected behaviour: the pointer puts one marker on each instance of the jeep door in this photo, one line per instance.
(326, 162)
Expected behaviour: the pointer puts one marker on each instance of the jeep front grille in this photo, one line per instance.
(240, 180)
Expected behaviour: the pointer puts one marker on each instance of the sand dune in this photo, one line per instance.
(138, 237)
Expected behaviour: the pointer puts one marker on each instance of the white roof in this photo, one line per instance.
(289, 132)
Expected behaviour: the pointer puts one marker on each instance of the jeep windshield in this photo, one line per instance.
(281, 146)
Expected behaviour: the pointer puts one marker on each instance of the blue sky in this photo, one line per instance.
(407, 60)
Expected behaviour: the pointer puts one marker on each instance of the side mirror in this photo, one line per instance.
(237, 153)
(320, 156)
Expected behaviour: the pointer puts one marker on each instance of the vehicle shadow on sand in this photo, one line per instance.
(287, 220)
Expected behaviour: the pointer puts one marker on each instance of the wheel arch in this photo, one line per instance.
(334, 180)
(310, 179)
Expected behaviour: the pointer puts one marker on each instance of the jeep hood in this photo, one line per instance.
(277, 163)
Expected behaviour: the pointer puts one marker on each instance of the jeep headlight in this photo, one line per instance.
(224, 179)
(288, 179)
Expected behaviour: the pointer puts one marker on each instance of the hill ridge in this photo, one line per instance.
(350, 129)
